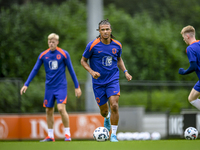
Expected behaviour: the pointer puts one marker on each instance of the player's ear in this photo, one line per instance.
(188, 36)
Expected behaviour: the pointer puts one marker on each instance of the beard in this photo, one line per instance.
(105, 37)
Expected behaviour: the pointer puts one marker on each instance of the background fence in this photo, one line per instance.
(155, 96)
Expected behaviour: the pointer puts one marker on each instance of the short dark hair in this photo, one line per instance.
(104, 22)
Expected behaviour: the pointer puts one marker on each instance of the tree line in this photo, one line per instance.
(152, 46)
(152, 50)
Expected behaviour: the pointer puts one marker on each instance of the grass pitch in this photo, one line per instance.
(94, 145)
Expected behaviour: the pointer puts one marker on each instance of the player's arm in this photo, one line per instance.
(31, 76)
(120, 64)
(70, 68)
(192, 67)
(84, 63)
(33, 72)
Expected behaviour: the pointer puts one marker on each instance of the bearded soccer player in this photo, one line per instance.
(55, 61)
(193, 53)
(104, 54)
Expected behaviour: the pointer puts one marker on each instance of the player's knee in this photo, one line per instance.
(104, 113)
(49, 111)
(61, 110)
(114, 107)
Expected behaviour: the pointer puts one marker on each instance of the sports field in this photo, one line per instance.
(93, 145)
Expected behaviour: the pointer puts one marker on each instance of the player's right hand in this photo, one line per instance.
(181, 71)
(23, 89)
(95, 75)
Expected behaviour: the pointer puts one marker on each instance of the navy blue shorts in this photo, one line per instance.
(103, 92)
(55, 94)
(197, 86)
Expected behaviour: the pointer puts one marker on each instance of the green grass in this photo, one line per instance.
(93, 145)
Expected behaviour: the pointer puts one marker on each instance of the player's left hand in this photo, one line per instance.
(78, 92)
(128, 76)
(181, 71)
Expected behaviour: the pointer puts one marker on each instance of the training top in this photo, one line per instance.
(103, 59)
(193, 53)
(55, 63)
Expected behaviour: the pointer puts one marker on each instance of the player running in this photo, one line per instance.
(193, 53)
(104, 54)
(55, 61)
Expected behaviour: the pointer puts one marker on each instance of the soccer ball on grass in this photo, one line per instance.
(191, 133)
(101, 134)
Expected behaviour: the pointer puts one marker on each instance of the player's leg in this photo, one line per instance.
(49, 116)
(102, 101)
(113, 92)
(114, 118)
(61, 96)
(104, 110)
(49, 104)
(50, 121)
(65, 120)
(193, 98)
(64, 115)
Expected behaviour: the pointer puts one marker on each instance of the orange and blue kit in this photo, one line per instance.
(103, 59)
(193, 53)
(55, 63)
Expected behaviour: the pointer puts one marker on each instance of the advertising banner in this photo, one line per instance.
(19, 127)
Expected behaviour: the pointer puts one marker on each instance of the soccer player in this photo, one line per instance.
(104, 54)
(55, 61)
(193, 53)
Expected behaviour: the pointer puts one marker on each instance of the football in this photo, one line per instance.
(155, 136)
(191, 133)
(101, 134)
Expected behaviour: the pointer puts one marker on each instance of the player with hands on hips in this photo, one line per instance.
(193, 54)
(55, 61)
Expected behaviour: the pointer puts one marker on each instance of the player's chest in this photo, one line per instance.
(53, 61)
(105, 51)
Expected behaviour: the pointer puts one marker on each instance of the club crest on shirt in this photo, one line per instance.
(107, 60)
(53, 64)
(58, 56)
(114, 51)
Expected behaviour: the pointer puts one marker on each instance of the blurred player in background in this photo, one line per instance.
(55, 61)
(193, 53)
(104, 54)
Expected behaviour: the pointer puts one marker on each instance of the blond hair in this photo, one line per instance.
(53, 36)
(188, 29)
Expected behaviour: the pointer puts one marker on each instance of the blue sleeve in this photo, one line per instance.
(120, 52)
(191, 54)
(34, 71)
(87, 53)
(71, 70)
(193, 67)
